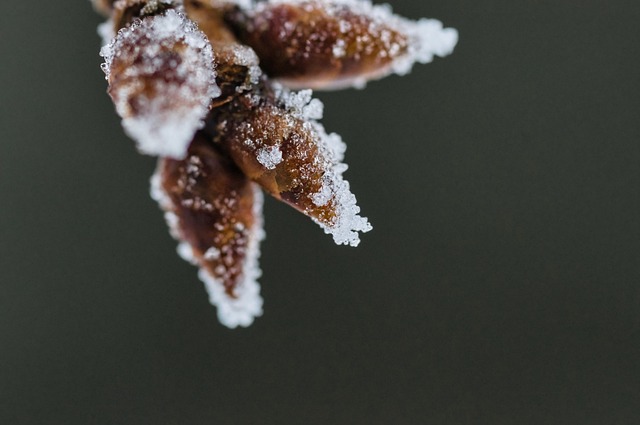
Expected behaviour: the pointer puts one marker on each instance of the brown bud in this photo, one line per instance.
(162, 80)
(276, 142)
(312, 44)
(172, 64)
(324, 44)
(215, 211)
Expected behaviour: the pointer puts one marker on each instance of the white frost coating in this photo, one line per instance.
(269, 156)
(301, 104)
(334, 188)
(333, 144)
(427, 38)
(169, 137)
(156, 191)
(160, 196)
(186, 252)
(242, 310)
(164, 122)
(105, 31)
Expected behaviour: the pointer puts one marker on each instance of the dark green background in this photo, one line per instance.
(500, 285)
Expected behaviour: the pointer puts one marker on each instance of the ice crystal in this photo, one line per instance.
(269, 156)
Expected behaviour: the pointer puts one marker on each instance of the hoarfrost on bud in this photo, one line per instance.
(162, 79)
(276, 141)
(427, 38)
(224, 239)
(336, 190)
(301, 104)
(242, 309)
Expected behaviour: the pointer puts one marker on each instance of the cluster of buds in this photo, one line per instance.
(206, 85)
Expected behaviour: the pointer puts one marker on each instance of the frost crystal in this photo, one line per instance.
(427, 39)
(300, 103)
(269, 156)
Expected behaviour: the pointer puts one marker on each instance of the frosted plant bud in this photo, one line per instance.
(161, 78)
(331, 44)
(276, 142)
(216, 213)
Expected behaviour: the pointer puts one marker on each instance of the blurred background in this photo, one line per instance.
(500, 285)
